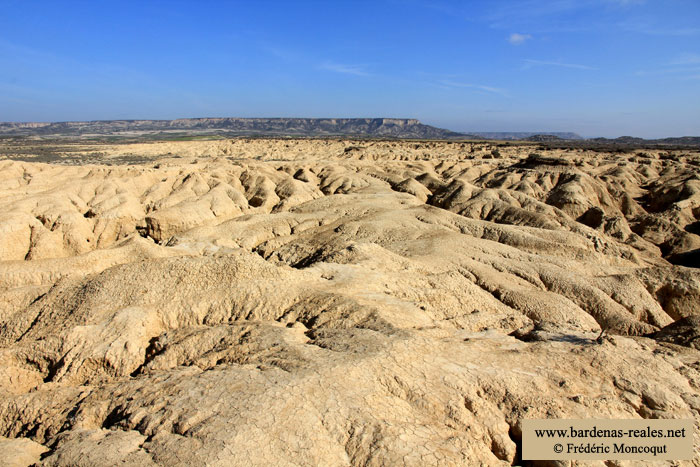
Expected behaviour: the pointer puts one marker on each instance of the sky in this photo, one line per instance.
(595, 67)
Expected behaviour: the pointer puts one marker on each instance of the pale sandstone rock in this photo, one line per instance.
(298, 302)
(20, 452)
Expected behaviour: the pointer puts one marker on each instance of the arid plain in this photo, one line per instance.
(338, 302)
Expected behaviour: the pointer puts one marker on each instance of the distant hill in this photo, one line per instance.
(544, 138)
(370, 127)
(524, 135)
(633, 141)
(399, 128)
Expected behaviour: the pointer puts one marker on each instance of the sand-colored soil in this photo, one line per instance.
(300, 302)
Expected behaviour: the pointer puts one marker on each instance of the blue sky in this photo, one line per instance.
(596, 67)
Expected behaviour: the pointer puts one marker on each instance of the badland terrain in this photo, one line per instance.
(338, 301)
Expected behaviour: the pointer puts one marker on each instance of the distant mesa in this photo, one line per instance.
(381, 128)
(311, 127)
(528, 136)
(633, 141)
(544, 138)
(400, 128)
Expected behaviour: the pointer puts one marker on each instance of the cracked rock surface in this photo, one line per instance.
(331, 302)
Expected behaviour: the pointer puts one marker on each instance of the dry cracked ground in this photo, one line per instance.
(301, 302)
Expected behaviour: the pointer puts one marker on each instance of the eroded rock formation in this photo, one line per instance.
(297, 302)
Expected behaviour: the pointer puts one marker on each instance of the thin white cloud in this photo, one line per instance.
(480, 87)
(517, 38)
(280, 53)
(670, 70)
(356, 70)
(626, 2)
(685, 66)
(541, 17)
(687, 59)
(680, 32)
(505, 13)
(530, 63)
(654, 30)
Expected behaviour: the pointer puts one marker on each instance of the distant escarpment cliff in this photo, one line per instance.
(370, 127)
